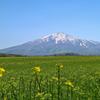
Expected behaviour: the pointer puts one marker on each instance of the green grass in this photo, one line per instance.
(19, 82)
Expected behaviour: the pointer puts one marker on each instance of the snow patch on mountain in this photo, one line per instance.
(80, 44)
(85, 45)
(94, 42)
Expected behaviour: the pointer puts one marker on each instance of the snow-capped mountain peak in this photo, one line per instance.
(56, 35)
(59, 37)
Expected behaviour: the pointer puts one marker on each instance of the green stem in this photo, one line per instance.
(58, 82)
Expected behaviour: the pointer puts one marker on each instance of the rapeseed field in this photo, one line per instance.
(50, 78)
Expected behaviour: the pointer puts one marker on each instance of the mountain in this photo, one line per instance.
(55, 44)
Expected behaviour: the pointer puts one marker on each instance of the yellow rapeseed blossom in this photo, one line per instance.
(55, 78)
(37, 69)
(61, 66)
(2, 70)
(39, 95)
(69, 83)
(0, 75)
(5, 98)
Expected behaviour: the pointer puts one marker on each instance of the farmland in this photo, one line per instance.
(50, 78)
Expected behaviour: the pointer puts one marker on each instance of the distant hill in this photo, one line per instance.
(66, 54)
(10, 55)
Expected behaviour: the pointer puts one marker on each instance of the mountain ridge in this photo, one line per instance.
(54, 44)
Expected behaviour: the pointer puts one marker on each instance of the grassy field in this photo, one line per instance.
(50, 78)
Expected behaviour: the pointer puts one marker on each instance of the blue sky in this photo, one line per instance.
(25, 20)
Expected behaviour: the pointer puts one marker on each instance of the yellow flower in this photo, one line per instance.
(66, 83)
(61, 66)
(5, 98)
(2, 70)
(39, 95)
(37, 69)
(55, 78)
(69, 83)
(0, 75)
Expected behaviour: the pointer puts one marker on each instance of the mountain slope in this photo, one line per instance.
(54, 44)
